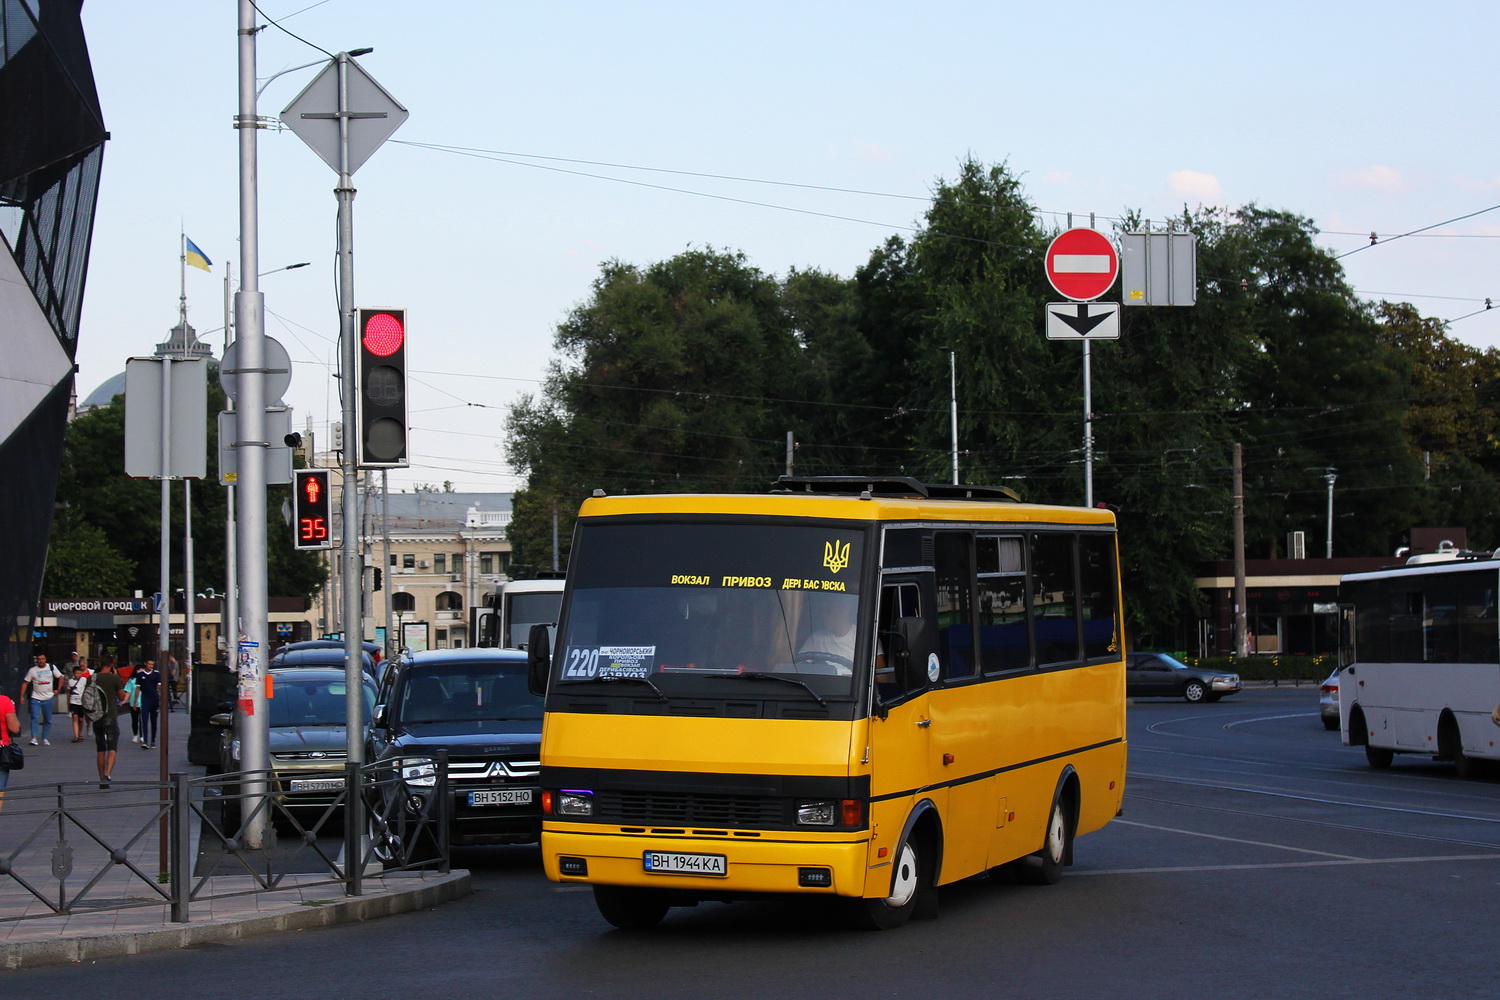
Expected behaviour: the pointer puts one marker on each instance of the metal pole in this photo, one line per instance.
(1241, 635)
(1088, 429)
(189, 621)
(385, 555)
(1331, 477)
(182, 839)
(229, 630)
(554, 534)
(790, 447)
(953, 406)
(251, 446)
(349, 386)
(164, 613)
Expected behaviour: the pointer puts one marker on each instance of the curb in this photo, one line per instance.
(89, 947)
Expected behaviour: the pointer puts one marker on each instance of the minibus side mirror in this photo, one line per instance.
(538, 658)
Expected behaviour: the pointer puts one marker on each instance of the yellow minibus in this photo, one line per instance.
(845, 687)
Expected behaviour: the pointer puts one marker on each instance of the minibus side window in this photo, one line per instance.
(1004, 632)
(1054, 603)
(955, 614)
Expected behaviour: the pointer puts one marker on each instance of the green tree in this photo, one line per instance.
(1452, 425)
(665, 383)
(81, 564)
(971, 281)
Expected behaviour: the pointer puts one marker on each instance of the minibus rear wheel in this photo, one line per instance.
(1045, 867)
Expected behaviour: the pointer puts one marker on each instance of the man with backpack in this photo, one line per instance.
(77, 683)
(101, 702)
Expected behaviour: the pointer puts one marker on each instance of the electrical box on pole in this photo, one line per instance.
(382, 389)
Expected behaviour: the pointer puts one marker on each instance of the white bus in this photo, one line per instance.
(1420, 659)
(512, 609)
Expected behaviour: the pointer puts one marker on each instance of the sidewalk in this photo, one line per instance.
(124, 816)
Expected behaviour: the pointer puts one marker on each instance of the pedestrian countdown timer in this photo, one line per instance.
(312, 513)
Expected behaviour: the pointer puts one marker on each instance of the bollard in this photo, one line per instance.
(181, 864)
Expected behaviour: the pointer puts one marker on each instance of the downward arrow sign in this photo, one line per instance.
(1083, 322)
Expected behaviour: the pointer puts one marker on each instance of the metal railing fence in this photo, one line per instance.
(76, 847)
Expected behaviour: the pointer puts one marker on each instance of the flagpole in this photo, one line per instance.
(182, 276)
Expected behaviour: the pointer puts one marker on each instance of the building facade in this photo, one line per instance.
(438, 554)
(51, 147)
(1292, 605)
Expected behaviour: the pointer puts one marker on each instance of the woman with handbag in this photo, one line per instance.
(10, 725)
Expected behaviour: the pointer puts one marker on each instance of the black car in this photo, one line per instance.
(474, 704)
(1158, 675)
(306, 744)
(324, 653)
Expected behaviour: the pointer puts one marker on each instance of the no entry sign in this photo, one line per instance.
(1082, 264)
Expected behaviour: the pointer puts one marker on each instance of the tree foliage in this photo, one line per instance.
(687, 374)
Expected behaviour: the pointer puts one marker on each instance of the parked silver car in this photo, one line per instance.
(1328, 700)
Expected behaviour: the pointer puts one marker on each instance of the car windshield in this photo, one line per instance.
(301, 701)
(464, 691)
(1173, 662)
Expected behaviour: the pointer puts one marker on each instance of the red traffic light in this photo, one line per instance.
(312, 510)
(383, 334)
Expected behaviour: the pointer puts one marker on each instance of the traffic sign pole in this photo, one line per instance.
(1082, 264)
(248, 647)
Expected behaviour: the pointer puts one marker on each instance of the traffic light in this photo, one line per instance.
(381, 400)
(312, 510)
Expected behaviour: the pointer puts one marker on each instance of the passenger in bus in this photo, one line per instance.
(833, 641)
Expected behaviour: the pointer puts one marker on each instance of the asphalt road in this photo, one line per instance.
(1256, 857)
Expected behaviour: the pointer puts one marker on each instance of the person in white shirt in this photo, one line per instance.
(39, 687)
(834, 641)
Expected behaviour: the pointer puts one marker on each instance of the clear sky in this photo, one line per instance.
(1376, 116)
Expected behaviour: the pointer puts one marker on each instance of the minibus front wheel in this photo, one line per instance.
(630, 909)
(908, 887)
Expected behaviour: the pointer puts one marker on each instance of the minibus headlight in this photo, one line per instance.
(816, 813)
(573, 802)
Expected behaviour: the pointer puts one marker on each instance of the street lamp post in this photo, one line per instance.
(952, 405)
(1330, 476)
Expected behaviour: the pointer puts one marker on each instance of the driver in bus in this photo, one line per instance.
(833, 642)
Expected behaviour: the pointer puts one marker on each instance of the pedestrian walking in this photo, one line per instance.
(172, 672)
(148, 695)
(132, 691)
(76, 686)
(40, 683)
(111, 691)
(10, 728)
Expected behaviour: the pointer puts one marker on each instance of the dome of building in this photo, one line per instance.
(183, 342)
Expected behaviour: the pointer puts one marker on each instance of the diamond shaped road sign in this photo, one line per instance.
(373, 115)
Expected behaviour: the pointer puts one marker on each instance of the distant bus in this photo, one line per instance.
(511, 610)
(847, 687)
(1420, 660)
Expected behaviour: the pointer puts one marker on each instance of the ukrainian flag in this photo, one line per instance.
(197, 258)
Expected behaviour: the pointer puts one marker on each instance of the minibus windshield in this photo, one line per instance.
(668, 602)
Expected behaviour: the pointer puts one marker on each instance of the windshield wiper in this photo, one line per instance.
(617, 679)
(761, 675)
